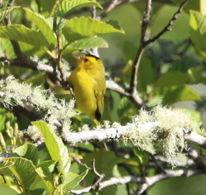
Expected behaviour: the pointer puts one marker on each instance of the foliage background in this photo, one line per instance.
(113, 59)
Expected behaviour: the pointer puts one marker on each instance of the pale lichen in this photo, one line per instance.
(165, 132)
(52, 110)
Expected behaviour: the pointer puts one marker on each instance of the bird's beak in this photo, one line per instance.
(78, 58)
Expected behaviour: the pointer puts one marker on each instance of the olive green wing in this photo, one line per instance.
(99, 91)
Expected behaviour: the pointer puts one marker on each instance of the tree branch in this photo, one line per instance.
(146, 181)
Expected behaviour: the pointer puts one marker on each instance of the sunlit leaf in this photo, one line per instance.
(43, 26)
(176, 94)
(29, 152)
(21, 33)
(86, 43)
(23, 170)
(198, 32)
(69, 5)
(172, 78)
(6, 11)
(79, 28)
(73, 180)
(55, 145)
(2, 119)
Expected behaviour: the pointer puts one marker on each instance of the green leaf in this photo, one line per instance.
(179, 93)
(6, 11)
(146, 74)
(29, 152)
(47, 178)
(43, 26)
(21, 33)
(7, 48)
(74, 180)
(125, 110)
(198, 32)
(37, 192)
(79, 28)
(68, 6)
(198, 28)
(36, 79)
(154, 101)
(55, 145)
(86, 43)
(195, 75)
(9, 183)
(172, 78)
(5, 115)
(30, 50)
(45, 170)
(2, 119)
(49, 6)
(23, 170)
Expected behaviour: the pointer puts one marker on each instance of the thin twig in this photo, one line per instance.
(171, 22)
(157, 163)
(101, 176)
(78, 161)
(144, 42)
(111, 6)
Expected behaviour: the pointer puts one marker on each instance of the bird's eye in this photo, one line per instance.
(85, 60)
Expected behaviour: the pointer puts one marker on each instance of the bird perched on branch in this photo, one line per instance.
(88, 83)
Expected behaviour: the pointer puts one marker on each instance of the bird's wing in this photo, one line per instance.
(99, 91)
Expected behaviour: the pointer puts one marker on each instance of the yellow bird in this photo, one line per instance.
(88, 83)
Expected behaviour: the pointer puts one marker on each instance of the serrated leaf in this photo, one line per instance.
(55, 145)
(43, 26)
(23, 170)
(6, 11)
(176, 94)
(86, 43)
(172, 78)
(21, 33)
(70, 5)
(29, 152)
(6, 165)
(79, 28)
